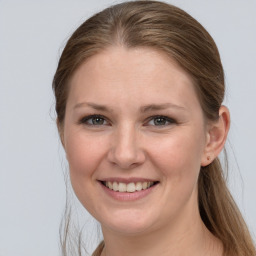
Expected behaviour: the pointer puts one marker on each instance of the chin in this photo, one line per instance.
(128, 222)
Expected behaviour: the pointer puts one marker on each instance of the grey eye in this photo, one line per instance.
(94, 120)
(97, 121)
(160, 121)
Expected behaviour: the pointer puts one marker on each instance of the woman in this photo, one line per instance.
(139, 90)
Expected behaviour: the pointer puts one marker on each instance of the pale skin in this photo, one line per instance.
(150, 126)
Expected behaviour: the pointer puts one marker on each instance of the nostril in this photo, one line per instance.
(126, 158)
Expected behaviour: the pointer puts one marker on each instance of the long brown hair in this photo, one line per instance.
(171, 30)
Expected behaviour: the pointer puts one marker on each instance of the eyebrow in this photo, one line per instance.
(143, 109)
(93, 105)
(153, 107)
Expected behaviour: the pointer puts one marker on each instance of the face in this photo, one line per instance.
(134, 137)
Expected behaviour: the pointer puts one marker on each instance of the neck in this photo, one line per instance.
(180, 239)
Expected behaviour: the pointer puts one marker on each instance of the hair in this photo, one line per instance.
(168, 29)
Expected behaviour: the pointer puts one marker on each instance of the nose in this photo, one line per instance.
(125, 150)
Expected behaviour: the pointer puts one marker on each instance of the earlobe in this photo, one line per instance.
(216, 136)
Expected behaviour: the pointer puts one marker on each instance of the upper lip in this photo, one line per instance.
(127, 180)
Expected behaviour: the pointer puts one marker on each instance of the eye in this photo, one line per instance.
(161, 121)
(96, 120)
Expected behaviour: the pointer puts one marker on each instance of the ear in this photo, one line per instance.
(61, 131)
(217, 132)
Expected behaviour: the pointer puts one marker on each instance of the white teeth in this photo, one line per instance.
(138, 186)
(115, 186)
(130, 187)
(109, 185)
(122, 187)
(144, 185)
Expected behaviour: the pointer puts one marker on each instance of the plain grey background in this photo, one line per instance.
(32, 36)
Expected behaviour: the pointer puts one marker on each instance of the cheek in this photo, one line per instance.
(178, 156)
(84, 154)
(178, 161)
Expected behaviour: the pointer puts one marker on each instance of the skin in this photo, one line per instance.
(127, 143)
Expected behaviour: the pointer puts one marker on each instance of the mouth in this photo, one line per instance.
(130, 187)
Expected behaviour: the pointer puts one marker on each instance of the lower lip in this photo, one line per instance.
(126, 196)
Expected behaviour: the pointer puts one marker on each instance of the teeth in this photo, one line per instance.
(115, 186)
(138, 186)
(144, 185)
(130, 187)
(109, 185)
(122, 187)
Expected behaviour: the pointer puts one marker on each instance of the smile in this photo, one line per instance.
(130, 187)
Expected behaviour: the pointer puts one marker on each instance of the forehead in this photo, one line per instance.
(138, 75)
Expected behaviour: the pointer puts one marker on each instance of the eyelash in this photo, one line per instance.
(87, 118)
(165, 118)
(104, 119)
